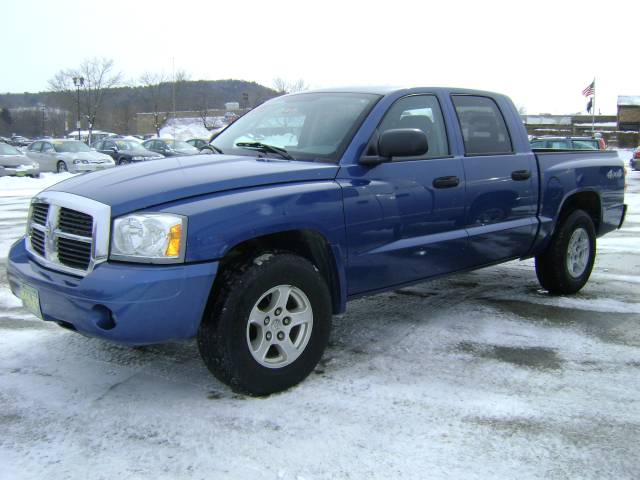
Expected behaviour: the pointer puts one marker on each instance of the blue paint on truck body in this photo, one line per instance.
(384, 226)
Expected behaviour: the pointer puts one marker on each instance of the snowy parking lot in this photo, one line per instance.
(480, 375)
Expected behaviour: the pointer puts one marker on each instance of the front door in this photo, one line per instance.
(405, 218)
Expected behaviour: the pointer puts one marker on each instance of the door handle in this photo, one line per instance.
(520, 175)
(446, 182)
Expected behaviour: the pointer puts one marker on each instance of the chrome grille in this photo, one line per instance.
(37, 241)
(73, 253)
(39, 213)
(77, 223)
(67, 232)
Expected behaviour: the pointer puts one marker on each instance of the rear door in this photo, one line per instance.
(502, 184)
(405, 218)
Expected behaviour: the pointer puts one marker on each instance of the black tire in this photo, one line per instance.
(62, 167)
(123, 161)
(222, 338)
(551, 265)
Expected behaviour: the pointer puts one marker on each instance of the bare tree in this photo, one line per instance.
(204, 113)
(99, 76)
(283, 86)
(280, 85)
(154, 84)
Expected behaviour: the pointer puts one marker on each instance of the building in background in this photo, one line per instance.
(629, 113)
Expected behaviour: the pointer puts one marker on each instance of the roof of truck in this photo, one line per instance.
(386, 90)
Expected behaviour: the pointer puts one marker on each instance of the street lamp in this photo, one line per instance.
(78, 82)
(43, 109)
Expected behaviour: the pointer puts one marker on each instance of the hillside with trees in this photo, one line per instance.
(113, 108)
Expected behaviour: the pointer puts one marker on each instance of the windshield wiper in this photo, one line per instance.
(213, 147)
(263, 147)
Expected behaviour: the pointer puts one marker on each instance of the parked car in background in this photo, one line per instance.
(169, 147)
(124, 152)
(568, 143)
(64, 155)
(635, 160)
(19, 141)
(17, 163)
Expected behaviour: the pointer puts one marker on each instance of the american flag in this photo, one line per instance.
(590, 90)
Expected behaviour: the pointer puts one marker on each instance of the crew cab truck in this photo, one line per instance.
(313, 199)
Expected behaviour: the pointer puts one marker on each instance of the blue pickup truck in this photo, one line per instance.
(312, 200)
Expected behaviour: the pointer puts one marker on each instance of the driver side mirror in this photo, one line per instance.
(398, 142)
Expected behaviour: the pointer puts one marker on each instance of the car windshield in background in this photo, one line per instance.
(178, 145)
(309, 126)
(566, 144)
(71, 146)
(128, 145)
(8, 150)
(585, 144)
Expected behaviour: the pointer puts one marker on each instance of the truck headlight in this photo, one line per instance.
(149, 238)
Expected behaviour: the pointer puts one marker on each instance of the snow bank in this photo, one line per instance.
(27, 186)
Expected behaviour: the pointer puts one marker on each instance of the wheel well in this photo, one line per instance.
(306, 243)
(587, 201)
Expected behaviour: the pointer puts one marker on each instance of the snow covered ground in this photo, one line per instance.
(475, 376)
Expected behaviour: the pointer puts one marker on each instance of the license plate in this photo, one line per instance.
(31, 300)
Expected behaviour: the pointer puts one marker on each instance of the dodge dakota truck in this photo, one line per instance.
(311, 200)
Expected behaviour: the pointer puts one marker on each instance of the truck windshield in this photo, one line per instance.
(309, 126)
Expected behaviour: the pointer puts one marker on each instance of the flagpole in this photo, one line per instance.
(593, 109)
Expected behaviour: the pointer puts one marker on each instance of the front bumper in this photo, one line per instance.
(125, 303)
(23, 171)
(89, 167)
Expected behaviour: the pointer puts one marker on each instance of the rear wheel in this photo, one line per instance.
(565, 266)
(269, 324)
(62, 167)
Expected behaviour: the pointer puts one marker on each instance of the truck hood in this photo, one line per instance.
(146, 184)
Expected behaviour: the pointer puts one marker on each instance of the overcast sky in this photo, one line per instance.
(542, 54)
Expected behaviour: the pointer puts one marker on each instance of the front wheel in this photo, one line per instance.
(566, 264)
(269, 324)
(62, 167)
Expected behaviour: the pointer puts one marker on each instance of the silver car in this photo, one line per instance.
(17, 163)
(62, 155)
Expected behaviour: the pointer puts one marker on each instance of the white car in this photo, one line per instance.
(62, 155)
(17, 163)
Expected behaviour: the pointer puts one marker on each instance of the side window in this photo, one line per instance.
(98, 146)
(35, 147)
(483, 128)
(538, 144)
(421, 112)
(47, 147)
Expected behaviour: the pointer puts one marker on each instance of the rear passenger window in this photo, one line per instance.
(483, 128)
(421, 112)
